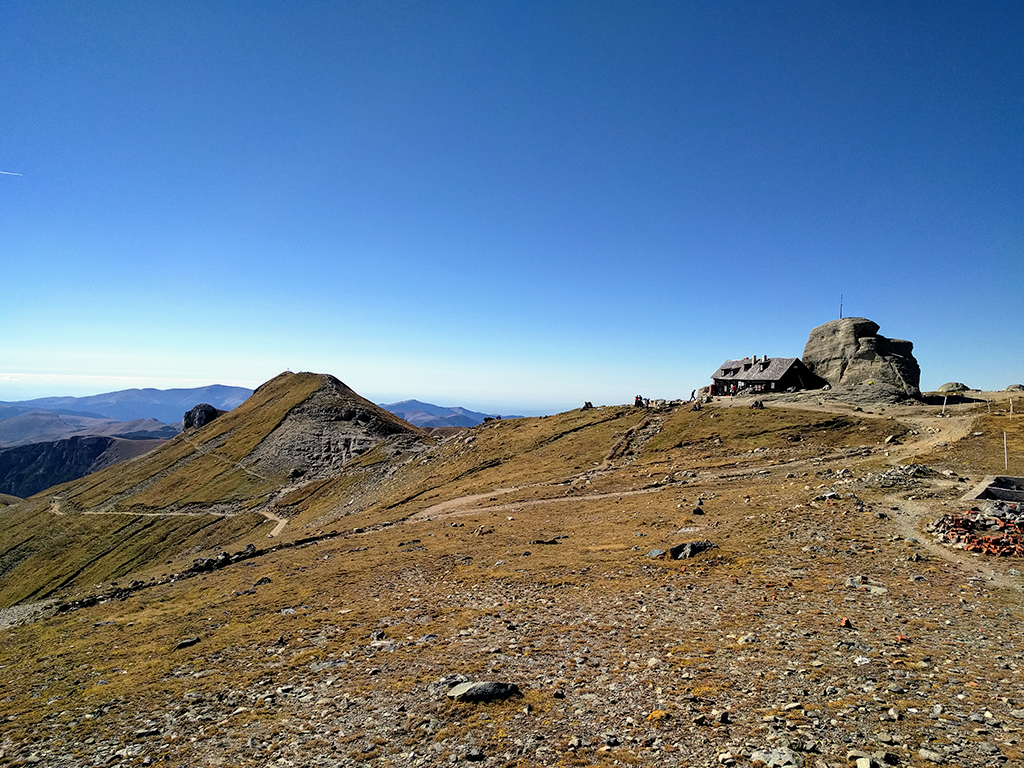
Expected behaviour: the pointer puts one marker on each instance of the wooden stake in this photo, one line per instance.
(1006, 456)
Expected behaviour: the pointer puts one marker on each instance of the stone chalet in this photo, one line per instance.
(762, 374)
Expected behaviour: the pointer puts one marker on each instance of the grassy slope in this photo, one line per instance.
(344, 587)
(762, 578)
(200, 467)
(538, 456)
(44, 552)
(985, 450)
(500, 454)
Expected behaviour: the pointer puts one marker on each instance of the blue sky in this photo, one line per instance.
(509, 206)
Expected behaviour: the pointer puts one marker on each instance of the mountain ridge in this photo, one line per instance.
(166, 405)
(47, 426)
(429, 415)
(242, 470)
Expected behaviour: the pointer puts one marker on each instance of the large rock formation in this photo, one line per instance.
(200, 416)
(850, 351)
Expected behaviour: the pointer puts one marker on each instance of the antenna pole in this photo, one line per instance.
(840, 306)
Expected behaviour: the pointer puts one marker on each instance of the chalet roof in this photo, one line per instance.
(754, 369)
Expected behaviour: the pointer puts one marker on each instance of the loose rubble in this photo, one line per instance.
(996, 528)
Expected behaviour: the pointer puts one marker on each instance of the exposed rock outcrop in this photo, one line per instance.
(953, 386)
(200, 416)
(328, 429)
(850, 351)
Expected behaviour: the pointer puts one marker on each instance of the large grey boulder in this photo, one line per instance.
(850, 351)
(953, 386)
(482, 691)
(199, 416)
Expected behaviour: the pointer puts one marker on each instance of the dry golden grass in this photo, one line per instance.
(468, 573)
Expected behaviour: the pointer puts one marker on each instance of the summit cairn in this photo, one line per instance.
(850, 351)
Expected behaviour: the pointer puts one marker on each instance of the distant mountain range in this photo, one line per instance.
(38, 426)
(428, 415)
(166, 405)
(169, 405)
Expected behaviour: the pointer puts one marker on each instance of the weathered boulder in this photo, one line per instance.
(1015, 388)
(199, 416)
(953, 386)
(482, 691)
(850, 351)
(689, 549)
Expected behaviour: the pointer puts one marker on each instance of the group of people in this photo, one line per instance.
(645, 402)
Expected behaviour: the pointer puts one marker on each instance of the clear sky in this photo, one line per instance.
(510, 206)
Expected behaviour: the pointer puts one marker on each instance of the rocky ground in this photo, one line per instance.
(825, 627)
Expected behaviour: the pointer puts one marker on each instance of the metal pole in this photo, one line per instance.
(1006, 456)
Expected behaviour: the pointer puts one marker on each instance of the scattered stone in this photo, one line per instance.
(446, 683)
(864, 584)
(779, 757)
(188, 642)
(931, 756)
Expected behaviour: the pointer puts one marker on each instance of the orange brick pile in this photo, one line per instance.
(975, 531)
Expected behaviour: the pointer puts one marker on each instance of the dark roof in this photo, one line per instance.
(757, 369)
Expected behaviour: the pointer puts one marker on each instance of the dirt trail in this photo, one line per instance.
(210, 452)
(910, 517)
(280, 523)
(456, 508)
(625, 449)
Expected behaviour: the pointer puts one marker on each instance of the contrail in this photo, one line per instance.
(11, 173)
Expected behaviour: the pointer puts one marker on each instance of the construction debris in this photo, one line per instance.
(996, 528)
